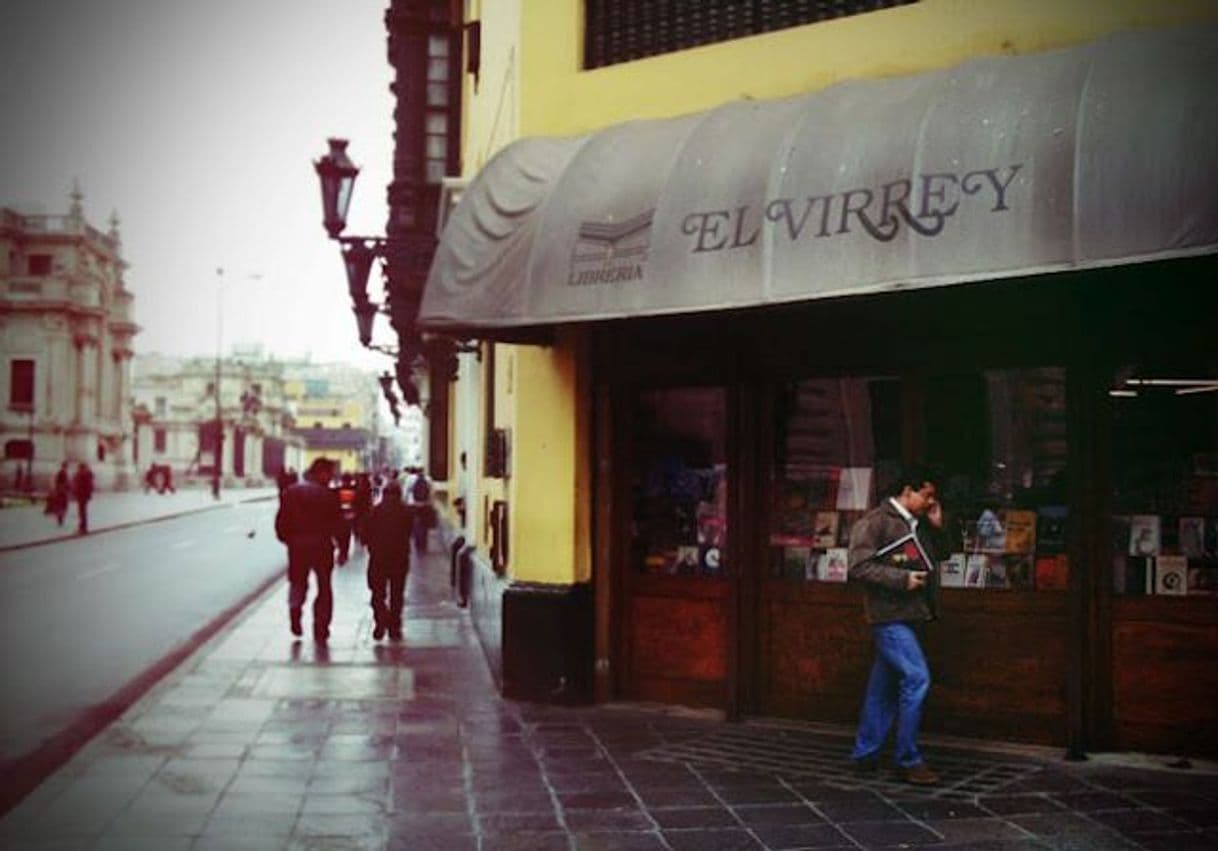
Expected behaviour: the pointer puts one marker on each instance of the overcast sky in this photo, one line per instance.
(198, 120)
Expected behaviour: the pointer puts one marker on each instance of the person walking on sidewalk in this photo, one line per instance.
(82, 492)
(58, 501)
(387, 531)
(892, 561)
(310, 522)
(425, 516)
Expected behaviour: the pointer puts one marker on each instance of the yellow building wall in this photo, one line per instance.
(543, 492)
(330, 413)
(557, 97)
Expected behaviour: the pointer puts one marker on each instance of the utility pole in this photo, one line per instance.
(215, 476)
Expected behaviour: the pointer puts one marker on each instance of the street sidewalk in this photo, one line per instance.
(26, 525)
(261, 741)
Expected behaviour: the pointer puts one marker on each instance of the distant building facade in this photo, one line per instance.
(66, 346)
(336, 414)
(176, 416)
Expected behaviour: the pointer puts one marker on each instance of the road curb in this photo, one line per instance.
(24, 774)
(73, 536)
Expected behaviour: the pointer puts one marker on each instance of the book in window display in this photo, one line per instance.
(1144, 535)
(1133, 575)
(1191, 532)
(1052, 572)
(1171, 575)
(1051, 528)
(1019, 570)
(687, 561)
(832, 565)
(1202, 580)
(824, 533)
(1020, 528)
(793, 513)
(952, 570)
(976, 569)
(987, 535)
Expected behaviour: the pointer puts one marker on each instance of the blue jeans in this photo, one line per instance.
(895, 691)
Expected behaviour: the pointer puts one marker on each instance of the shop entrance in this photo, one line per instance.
(675, 583)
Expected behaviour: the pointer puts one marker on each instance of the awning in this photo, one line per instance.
(1101, 154)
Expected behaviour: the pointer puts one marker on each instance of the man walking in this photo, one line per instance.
(82, 492)
(387, 536)
(310, 522)
(891, 560)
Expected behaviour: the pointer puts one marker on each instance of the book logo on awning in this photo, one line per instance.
(611, 252)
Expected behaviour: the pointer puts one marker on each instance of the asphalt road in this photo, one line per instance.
(81, 619)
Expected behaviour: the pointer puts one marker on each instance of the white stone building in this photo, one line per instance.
(176, 412)
(65, 346)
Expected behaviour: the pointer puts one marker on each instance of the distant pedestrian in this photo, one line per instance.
(420, 494)
(387, 535)
(310, 522)
(57, 501)
(82, 492)
(361, 506)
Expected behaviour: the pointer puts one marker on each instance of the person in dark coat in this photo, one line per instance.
(425, 512)
(387, 535)
(310, 522)
(58, 502)
(82, 492)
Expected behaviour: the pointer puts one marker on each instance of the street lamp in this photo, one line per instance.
(337, 174)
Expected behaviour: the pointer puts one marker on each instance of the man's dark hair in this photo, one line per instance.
(912, 475)
(320, 467)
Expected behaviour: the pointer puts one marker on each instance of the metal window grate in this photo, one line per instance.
(622, 30)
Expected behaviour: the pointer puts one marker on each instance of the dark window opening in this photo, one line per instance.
(159, 442)
(21, 384)
(623, 30)
(40, 264)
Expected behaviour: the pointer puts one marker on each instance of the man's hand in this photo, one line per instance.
(934, 513)
(915, 579)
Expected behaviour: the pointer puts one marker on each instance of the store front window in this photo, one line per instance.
(836, 439)
(680, 482)
(998, 440)
(1165, 483)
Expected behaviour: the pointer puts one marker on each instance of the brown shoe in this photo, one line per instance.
(919, 775)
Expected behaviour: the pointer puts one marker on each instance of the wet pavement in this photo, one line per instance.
(260, 741)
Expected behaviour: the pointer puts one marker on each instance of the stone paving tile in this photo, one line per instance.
(621, 841)
(970, 831)
(771, 814)
(791, 836)
(1070, 826)
(1004, 805)
(886, 834)
(694, 817)
(1178, 841)
(712, 839)
(869, 808)
(500, 823)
